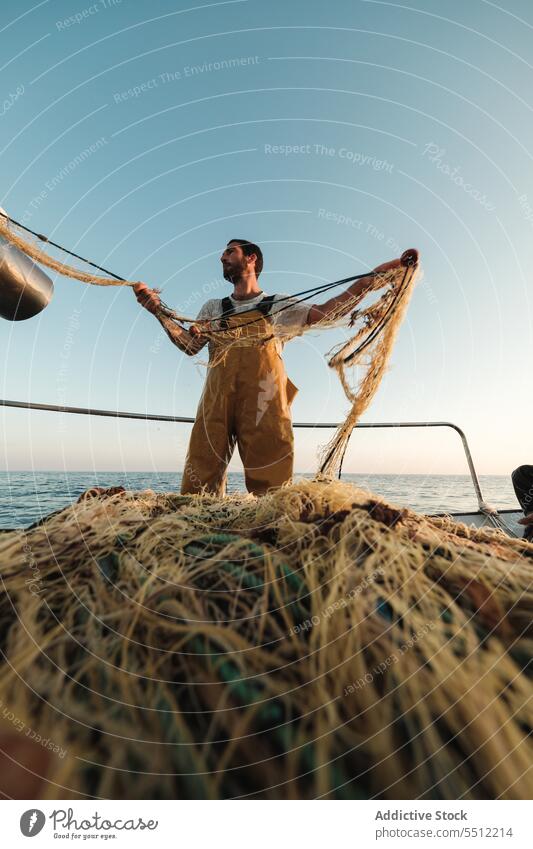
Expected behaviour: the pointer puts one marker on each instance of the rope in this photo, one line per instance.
(294, 299)
(378, 346)
(381, 326)
(60, 247)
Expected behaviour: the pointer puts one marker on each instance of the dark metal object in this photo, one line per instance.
(25, 289)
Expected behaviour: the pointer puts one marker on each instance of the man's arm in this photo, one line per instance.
(189, 343)
(527, 520)
(318, 312)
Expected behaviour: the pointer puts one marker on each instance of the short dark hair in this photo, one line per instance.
(248, 248)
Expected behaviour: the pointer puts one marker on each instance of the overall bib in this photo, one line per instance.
(245, 402)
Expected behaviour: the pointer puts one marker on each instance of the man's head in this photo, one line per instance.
(241, 258)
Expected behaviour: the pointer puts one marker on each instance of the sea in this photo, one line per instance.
(26, 497)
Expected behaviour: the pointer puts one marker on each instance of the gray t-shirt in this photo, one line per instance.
(288, 315)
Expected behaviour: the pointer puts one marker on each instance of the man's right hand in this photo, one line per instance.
(198, 329)
(148, 298)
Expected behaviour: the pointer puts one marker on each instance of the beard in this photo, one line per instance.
(232, 272)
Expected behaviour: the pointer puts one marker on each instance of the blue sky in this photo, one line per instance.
(146, 135)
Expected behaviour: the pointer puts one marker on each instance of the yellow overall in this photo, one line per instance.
(245, 401)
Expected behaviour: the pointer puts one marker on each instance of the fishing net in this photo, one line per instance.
(316, 642)
(360, 360)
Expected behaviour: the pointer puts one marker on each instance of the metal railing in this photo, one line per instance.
(118, 414)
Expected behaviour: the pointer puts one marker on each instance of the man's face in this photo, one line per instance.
(234, 262)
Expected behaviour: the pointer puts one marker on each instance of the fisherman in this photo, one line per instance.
(247, 396)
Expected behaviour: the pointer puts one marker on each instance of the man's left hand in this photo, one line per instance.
(527, 520)
(409, 257)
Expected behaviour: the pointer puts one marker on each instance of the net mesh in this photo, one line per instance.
(316, 642)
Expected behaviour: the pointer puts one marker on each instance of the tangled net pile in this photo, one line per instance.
(371, 333)
(312, 643)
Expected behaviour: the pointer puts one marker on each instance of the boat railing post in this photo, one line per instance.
(483, 506)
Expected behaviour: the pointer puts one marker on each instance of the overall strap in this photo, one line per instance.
(227, 309)
(266, 304)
